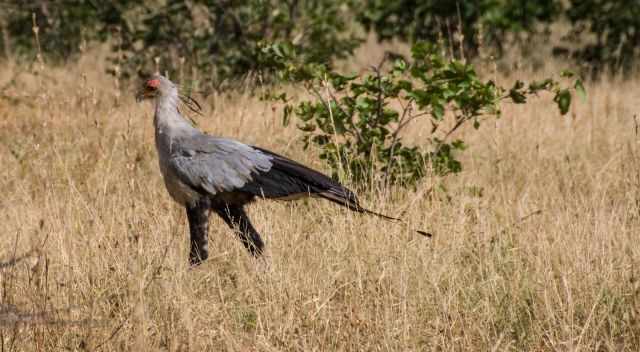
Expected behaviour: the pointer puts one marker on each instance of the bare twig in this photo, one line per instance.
(455, 127)
(411, 118)
(406, 111)
(376, 69)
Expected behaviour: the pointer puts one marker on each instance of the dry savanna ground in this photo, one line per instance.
(535, 244)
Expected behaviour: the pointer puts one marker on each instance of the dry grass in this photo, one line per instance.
(534, 246)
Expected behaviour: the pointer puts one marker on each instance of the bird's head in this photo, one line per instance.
(155, 86)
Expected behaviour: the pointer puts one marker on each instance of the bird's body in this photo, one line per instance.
(206, 173)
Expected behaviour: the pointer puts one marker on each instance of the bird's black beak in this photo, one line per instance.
(140, 96)
(146, 93)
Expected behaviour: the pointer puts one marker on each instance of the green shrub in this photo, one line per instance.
(357, 121)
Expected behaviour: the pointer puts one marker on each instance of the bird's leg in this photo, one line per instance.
(237, 219)
(198, 215)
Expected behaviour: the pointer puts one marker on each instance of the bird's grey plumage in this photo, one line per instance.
(205, 173)
(216, 165)
(191, 160)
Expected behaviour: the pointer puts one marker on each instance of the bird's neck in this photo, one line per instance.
(167, 117)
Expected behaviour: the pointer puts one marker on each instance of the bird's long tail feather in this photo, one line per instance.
(353, 205)
(301, 179)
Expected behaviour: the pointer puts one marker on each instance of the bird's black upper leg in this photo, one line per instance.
(198, 215)
(237, 219)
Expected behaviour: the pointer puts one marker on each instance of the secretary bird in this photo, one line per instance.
(206, 173)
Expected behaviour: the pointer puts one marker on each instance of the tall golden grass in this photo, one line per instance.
(535, 247)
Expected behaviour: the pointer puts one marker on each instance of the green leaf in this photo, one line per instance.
(438, 111)
(320, 140)
(567, 74)
(537, 86)
(399, 66)
(517, 97)
(563, 99)
(459, 144)
(307, 127)
(404, 85)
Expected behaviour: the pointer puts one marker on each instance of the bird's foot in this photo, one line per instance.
(197, 257)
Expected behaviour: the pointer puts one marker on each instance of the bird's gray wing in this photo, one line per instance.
(213, 165)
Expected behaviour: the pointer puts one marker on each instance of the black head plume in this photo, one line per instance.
(191, 104)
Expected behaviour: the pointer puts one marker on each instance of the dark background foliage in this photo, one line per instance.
(223, 40)
(220, 40)
(433, 20)
(614, 29)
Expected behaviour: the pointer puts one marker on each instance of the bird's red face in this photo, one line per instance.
(149, 89)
